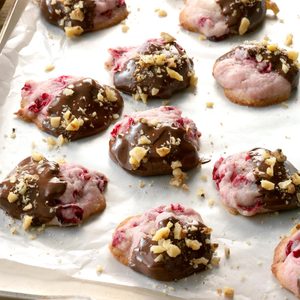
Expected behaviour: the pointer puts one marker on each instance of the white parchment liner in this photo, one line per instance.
(226, 129)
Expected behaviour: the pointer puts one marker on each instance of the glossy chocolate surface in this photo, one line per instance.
(95, 106)
(278, 198)
(235, 10)
(173, 268)
(181, 149)
(37, 185)
(146, 73)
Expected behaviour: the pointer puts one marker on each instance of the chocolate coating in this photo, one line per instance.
(35, 183)
(185, 151)
(146, 73)
(234, 11)
(173, 268)
(97, 114)
(58, 13)
(273, 61)
(277, 199)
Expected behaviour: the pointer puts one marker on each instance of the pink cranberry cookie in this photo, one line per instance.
(45, 192)
(166, 243)
(218, 19)
(257, 181)
(257, 74)
(157, 69)
(286, 262)
(70, 106)
(78, 16)
(155, 142)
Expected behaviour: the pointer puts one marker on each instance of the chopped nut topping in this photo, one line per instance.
(161, 233)
(177, 231)
(293, 55)
(27, 207)
(267, 185)
(176, 164)
(215, 261)
(284, 184)
(193, 80)
(110, 94)
(272, 47)
(156, 249)
(75, 124)
(143, 140)
(163, 151)
(27, 220)
(77, 15)
(37, 156)
(244, 26)
(167, 37)
(289, 40)
(73, 31)
(173, 250)
(193, 244)
(12, 197)
(159, 258)
(296, 179)
(55, 121)
(136, 156)
(173, 74)
(199, 261)
(273, 6)
(154, 91)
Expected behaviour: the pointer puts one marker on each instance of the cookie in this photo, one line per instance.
(157, 69)
(257, 181)
(45, 192)
(76, 17)
(218, 19)
(257, 74)
(165, 243)
(155, 142)
(70, 106)
(286, 260)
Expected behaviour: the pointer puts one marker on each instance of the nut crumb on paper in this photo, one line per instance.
(125, 28)
(99, 269)
(210, 104)
(228, 292)
(227, 252)
(49, 68)
(161, 12)
(289, 40)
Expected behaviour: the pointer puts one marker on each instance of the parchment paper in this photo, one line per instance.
(226, 129)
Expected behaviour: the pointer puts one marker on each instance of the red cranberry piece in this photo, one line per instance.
(264, 67)
(69, 214)
(115, 131)
(39, 104)
(202, 21)
(216, 176)
(177, 207)
(62, 79)
(180, 122)
(296, 253)
(248, 156)
(118, 237)
(26, 87)
(288, 248)
(102, 182)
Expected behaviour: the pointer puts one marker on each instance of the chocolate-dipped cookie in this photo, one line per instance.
(70, 106)
(155, 142)
(45, 192)
(218, 19)
(286, 261)
(77, 16)
(157, 69)
(166, 243)
(257, 74)
(257, 181)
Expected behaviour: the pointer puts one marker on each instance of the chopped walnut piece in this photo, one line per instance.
(173, 250)
(289, 40)
(163, 151)
(228, 292)
(27, 220)
(55, 121)
(136, 156)
(244, 26)
(154, 91)
(273, 6)
(156, 249)
(75, 124)
(143, 140)
(267, 185)
(215, 261)
(193, 80)
(272, 47)
(177, 231)
(77, 15)
(193, 244)
(12, 197)
(199, 261)
(293, 55)
(176, 164)
(284, 184)
(161, 233)
(110, 94)
(73, 31)
(173, 74)
(159, 258)
(296, 179)
(37, 156)
(167, 37)
(27, 207)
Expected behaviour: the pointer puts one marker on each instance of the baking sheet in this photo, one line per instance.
(226, 129)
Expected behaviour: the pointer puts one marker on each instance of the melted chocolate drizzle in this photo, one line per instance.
(83, 103)
(44, 186)
(172, 268)
(277, 199)
(234, 11)
(185, 151)
(137, 78)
